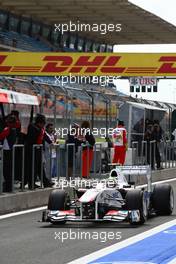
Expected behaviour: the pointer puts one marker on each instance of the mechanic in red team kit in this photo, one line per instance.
(8, 138)
(87, 153)
(120, 143)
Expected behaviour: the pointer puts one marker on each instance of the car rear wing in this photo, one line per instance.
(137, 171)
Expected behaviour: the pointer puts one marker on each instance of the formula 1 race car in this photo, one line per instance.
(115, 199)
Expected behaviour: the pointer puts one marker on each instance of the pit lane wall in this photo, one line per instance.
(18, 201)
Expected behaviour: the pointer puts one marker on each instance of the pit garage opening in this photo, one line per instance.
(134, 115)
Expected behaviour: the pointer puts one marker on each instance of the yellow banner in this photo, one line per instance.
(87, 64)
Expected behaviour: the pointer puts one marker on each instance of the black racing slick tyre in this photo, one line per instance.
(163, 199)
(135, 200)
(57, 200)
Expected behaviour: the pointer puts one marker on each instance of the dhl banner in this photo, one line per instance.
(92, 64)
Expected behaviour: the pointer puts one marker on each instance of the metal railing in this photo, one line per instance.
(28, 166)
(157, 154)
(14, 164)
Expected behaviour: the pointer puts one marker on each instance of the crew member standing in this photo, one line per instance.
(18, 151)
(87, 152)
(120, 143)
(35, 136)
(8, 139)
(157, 136)
(72, 138)
(49, 150)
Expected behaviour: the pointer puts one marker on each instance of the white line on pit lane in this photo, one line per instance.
(127, 242)
(157, 182)
(44, 207)
(164, 181)
(23, 212)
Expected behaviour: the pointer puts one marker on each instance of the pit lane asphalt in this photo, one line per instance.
(24, 240)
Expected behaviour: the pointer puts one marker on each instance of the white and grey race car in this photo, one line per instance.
(113, 200)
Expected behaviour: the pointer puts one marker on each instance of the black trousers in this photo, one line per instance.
(153, 155)
(157, 157)
(18, 164)
(38, 166)
(7, 170)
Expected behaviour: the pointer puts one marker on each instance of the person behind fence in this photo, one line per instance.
(106, 158)
(8, 137)
(148, 137)
(72, 138)
(18, 151)
(50, 152)
(35, 136)
(18, 122)
(157, 136)
(87, 151)
(138, 134)
(119, 137)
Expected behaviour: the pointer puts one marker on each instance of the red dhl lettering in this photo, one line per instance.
(4, 68)
(52, 65)
(108, 66)
(102, 63)
(167, 67)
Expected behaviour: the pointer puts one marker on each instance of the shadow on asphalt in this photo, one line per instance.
(92, 225)
(123, 225)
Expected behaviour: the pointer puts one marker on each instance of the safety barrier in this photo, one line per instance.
(157, 154)
(33, 165)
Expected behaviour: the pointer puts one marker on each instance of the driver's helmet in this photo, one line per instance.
(118, 175)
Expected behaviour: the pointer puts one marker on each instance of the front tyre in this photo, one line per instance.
(56, 202)
(135, 200)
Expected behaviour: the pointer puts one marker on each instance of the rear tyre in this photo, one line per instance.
(56, 202)
(163, 199)
(135, 200)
